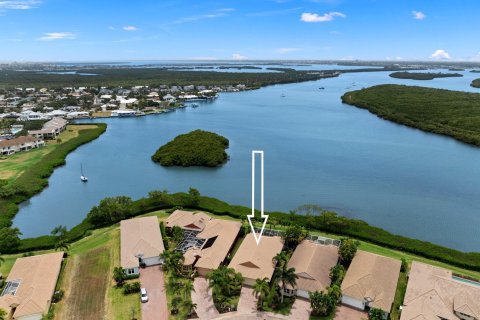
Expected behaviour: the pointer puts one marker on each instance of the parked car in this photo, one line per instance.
(143, 295)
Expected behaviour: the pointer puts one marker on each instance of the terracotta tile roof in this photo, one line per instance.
(37, 276)
(139, 236)
(432, 292)
(188, 220)
(18, 141)
(312, 263)
(255, 261)
(372, 277)
(210, 258)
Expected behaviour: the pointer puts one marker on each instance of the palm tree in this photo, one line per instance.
(172, 261)
(188, 288)
(175, 304)
(260, 291)
(62, 244)
(280, 259)
(283, 273)
(190, 306)
(3, 314)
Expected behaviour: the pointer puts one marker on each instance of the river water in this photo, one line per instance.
(317, 151)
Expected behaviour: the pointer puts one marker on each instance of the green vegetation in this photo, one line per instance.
(423, 75)
(114, 77)
(33, 177)
(476, 83)
(196, 148)
(226, 285)
(451, 113)
(399, 295)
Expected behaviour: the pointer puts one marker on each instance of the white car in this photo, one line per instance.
(143, 295)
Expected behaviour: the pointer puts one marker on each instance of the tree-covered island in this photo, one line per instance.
(423, 75)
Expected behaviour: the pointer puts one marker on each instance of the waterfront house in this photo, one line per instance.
(22, 143)
(140, 244)
(371, 282)
(30, 285)
(256, 261)
(435, 293)
(51, 129)
(312, 263)
(218, 239)
(188, 220)
(169, 98)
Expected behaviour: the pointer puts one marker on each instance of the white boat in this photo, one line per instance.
(82, 176)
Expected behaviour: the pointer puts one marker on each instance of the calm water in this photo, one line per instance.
(317, 150)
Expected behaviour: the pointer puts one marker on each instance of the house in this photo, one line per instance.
(371, 282)
(124, 113)
(219, 237)
(30, 286)
(169, 98)
(22, 143)
(434, 293)
(312, 263)
(51, 129)
(188, 220)
(140, 243)
(256, 261)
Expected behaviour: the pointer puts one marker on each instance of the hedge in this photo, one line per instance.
(329, 222)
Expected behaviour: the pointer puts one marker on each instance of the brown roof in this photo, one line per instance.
(37, 276)
(433, 293)
(210, 258)
(372, 277)
(18, 141)
(188, 220)
(312, 263)
(139, 236)
(255, 261)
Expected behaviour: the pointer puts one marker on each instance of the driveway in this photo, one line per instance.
(152, 279)
(347, 313)
(202, 296)
(300, 309)
(247, 303)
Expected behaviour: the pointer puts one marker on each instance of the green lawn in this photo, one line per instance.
(399, 296)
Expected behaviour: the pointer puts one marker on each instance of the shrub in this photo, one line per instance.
(130, 288)
(57, 296)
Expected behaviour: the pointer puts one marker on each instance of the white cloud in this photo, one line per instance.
(57, 36)
(314, 17)
(238, 56)
(419, 15)
(440, 55)
(18, 5)
(213, 14)
(130, 28)
(287, 50)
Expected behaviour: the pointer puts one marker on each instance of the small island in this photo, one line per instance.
(196, 148)
(476, 83)
(423, 75)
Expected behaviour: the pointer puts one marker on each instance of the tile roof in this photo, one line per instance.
(432, 292)
(18, 141)
(37, 277)
(255, 261)
(312, 263)
(139, 236)
(187, 219)
(225, 232)
(372, 277)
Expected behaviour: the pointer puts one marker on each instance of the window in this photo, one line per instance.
(130, 271)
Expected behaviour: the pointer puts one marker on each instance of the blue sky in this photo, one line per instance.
(62, 30)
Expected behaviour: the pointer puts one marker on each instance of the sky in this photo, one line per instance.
(101, 30)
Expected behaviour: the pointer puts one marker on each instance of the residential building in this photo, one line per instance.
(435, 293)
(371, 282)
(30, 286)
(312, 263)
(188, 220)
(219, 236)
(255, 261)
(51, 129)
(169, 98)
(22, 143)
(140, 243)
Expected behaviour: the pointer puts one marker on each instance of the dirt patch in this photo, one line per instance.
(88, 284)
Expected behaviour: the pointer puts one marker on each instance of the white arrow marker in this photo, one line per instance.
(252, 215)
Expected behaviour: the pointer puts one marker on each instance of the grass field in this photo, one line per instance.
(13, 166)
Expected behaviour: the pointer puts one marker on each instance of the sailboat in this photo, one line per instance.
(82, 176)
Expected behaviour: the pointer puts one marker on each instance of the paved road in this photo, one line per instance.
(202, 296)
(152, 279)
